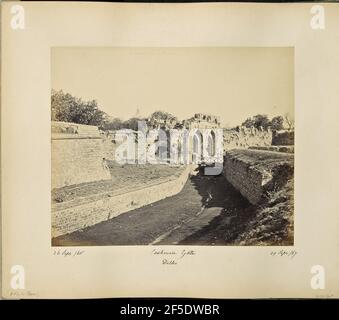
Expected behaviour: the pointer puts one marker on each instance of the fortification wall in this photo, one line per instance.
(241, 138)
(77, 154)
(252, 171)
(283, 138)
(246, 137)
(110, 147)
(73, 218)
(289, 149)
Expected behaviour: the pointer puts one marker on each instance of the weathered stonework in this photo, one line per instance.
(283, 138)
(198, 121)
(250, 171)
(67, 218)
(77, 154)
(246, 137)
(288, 149)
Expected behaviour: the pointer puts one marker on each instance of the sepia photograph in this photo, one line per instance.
(165, 151)
(172, 146)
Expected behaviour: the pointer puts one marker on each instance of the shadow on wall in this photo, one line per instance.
(236, 211)
(217, 192)
(268, 222)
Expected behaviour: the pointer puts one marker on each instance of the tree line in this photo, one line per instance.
(67, 108)
(275, 124)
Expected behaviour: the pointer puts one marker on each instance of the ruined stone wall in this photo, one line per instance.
(288, 149)
(246, 137)
(77, 154)
(251, 171)
(283, 138)
(241, 138)
(248, 181)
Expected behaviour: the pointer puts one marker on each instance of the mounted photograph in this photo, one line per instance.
(172, 146)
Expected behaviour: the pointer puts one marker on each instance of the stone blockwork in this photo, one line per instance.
(288, 149)
(77, 154)
(283, 138)
(110, 146)
(67, 218)
(243, 137)
(252, 171)
(198, 121)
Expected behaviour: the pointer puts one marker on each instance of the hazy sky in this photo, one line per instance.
(233, 83)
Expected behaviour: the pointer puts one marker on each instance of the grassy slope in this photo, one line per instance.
(127, 176)
(272, 223)
(268, 223)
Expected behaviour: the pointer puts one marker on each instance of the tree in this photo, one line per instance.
(113, 124)
(132, 123)
(289, 122)
(248, 123)
(61, 106)
(65, 107)
(260, 120)
(277, 123)
(162, 115)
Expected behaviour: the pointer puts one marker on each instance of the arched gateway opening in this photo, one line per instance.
(197, 147)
